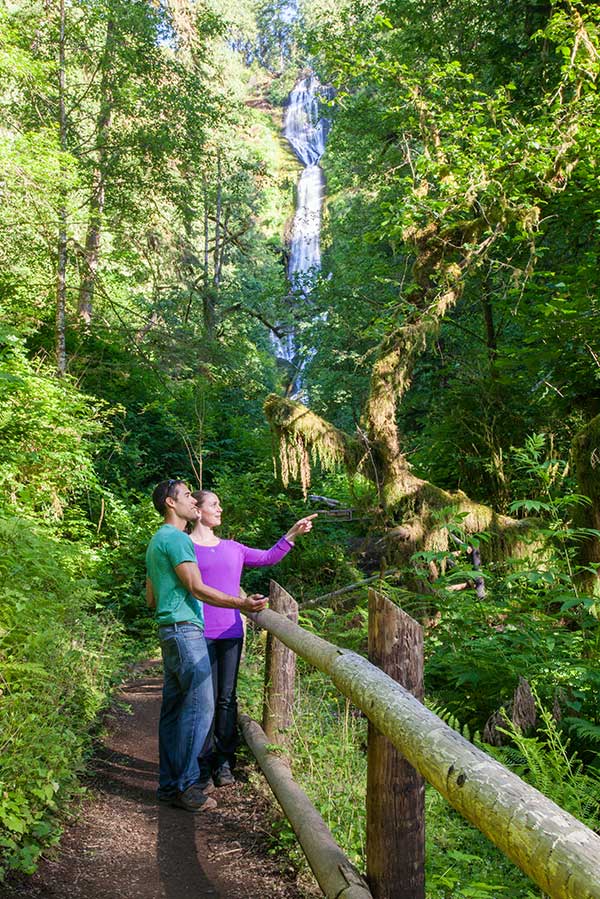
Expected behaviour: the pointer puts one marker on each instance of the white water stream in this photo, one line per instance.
(306, 133)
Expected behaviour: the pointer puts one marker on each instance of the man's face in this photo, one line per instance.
(183, 503)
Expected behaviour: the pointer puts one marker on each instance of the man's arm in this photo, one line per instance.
(150, 598)
(189, 575)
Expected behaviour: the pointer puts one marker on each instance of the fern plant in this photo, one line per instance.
(546, 761)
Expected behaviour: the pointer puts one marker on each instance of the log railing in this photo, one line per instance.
(552, 847)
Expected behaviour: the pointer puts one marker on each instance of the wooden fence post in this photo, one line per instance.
(395, 791)
(280, 671)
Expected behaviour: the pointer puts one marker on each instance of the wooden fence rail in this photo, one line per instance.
(551, 846)
(337, 878)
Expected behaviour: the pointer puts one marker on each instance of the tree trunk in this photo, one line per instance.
(490, 330)
(61, 268)
(92, 240)
(586, 463)
(208, 300)
(219, 205)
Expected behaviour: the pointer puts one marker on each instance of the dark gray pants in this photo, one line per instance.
(222, 740)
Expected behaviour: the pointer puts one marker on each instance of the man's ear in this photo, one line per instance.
(170, 501)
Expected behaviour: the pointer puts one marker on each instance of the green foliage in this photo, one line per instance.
(58, 656)
(47, 433)
(169, 160)
(546, 762)
(476, 651)
(432, 131)
(171, 157)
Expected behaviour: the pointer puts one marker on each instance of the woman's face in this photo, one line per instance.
(210, 511)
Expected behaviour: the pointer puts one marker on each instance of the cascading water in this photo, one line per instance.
(306, 133)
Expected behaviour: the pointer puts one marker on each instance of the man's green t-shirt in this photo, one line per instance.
(168, 548)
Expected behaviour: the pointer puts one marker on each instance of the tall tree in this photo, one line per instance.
(61, 267)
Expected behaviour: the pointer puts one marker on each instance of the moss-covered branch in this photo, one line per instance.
(413, 505)
(304, 436)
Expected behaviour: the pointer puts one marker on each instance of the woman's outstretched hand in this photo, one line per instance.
(303, 526)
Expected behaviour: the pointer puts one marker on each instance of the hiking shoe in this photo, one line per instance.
(194, 800)
(223, 776)
(207, 786)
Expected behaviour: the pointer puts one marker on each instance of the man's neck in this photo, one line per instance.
(175, 520)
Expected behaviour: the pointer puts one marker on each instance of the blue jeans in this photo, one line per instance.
(222, 739)
(187, 706)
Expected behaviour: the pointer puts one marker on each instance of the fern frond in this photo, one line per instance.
(582, 728)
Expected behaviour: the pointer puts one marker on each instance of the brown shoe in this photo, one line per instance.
(194, 800)
(207, 787)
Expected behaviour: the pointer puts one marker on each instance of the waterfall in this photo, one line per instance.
(306, 132)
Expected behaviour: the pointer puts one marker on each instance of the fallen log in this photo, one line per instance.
(350, 588)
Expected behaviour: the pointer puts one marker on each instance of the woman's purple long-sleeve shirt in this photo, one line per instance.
(221, 567)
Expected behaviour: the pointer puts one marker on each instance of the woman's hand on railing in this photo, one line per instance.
(303, 526)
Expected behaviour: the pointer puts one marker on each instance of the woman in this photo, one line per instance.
(221, 563)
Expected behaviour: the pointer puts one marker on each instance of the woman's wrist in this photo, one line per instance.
(289, 537)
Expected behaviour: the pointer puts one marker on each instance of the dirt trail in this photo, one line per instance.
(126, 845)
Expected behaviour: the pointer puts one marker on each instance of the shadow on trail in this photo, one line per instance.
(123, 775)
(181, 873)
(180, 836)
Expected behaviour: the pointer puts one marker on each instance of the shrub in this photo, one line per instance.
(58, 654)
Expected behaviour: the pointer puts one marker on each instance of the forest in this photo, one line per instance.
(441, 378)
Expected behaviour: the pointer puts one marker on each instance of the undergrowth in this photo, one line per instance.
(59, 652)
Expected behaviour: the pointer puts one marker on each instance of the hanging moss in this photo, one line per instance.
(304, 437)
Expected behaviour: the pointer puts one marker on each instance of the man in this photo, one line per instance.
(174, 588)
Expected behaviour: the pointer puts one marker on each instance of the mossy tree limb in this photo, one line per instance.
(306, 438)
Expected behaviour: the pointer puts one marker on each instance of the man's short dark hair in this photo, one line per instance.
(162, 491)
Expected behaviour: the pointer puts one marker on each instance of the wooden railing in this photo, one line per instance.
(552, 847)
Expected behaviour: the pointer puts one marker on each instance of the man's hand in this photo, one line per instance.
(254, 603)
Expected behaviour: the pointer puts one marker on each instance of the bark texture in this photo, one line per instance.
(586, 464)
(91, 255)
(280, 672)
(61, 265)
